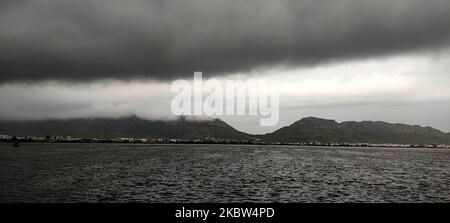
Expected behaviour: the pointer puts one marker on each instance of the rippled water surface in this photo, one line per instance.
(221, 173)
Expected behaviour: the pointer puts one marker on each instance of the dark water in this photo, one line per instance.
(219, 173)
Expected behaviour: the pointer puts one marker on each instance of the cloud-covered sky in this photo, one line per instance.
(92, 39)
(341, 59)
(412, 88)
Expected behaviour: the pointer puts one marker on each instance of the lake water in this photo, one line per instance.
(221, 173)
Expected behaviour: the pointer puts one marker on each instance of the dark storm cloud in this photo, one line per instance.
(86, 40)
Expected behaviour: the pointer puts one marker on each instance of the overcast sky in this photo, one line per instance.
(340, 59)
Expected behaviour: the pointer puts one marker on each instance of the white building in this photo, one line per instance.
(5, 137)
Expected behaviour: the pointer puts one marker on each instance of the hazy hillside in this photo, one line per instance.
(322, 130)
(124, 127)
(305, 130)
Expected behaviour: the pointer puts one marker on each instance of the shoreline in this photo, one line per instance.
(351, 145)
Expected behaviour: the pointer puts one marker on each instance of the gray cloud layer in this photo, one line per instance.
(86, 40)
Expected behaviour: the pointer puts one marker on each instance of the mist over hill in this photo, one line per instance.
(124, 127)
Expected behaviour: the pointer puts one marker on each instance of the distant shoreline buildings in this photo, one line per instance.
(70, 139)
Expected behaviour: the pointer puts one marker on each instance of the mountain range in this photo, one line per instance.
(313, 129)
(306, 130)
(124, 127)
